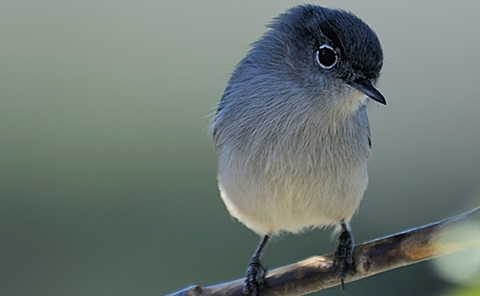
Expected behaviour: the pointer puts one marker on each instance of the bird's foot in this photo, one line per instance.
(344, 255)
(255, 277)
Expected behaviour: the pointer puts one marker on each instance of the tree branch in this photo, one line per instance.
(380, 255)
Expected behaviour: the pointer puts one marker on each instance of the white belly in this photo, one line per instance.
(272, 192)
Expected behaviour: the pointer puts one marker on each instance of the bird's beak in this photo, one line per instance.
(368, 89)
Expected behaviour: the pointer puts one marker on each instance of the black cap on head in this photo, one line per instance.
(349, 46)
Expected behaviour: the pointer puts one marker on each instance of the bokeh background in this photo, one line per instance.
(108, 178)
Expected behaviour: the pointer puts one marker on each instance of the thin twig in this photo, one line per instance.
(380, 255)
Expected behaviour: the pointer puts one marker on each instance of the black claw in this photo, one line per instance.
(255, 277)
(344, 254)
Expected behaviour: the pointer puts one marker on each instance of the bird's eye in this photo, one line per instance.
(326, 56)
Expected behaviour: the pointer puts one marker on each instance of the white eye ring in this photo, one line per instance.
(326, 56)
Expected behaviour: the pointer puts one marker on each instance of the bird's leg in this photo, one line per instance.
(256, 270)
(344, 252)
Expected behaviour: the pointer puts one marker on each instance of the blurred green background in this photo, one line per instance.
(108, 178)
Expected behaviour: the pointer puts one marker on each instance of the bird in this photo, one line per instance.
(292, 132)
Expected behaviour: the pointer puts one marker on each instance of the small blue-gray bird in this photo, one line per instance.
(292, 129)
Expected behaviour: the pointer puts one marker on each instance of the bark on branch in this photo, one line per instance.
(380, 255)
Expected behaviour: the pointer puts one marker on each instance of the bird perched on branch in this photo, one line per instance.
(292, 129)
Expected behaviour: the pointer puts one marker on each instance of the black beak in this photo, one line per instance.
(368, 89)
